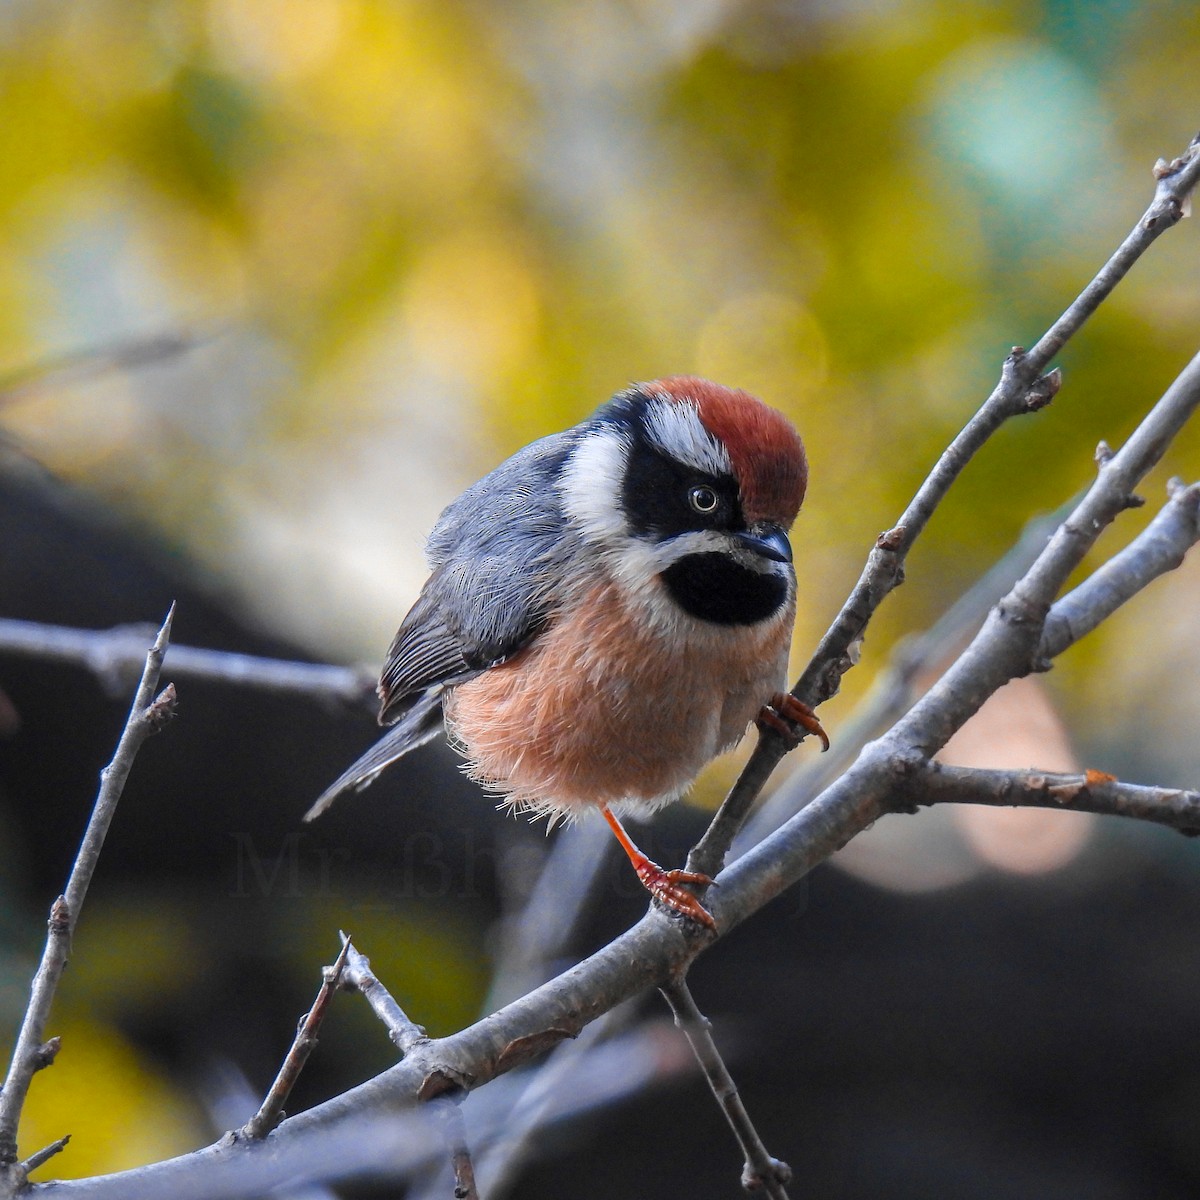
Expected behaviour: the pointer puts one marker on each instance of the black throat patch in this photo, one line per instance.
(713, 587)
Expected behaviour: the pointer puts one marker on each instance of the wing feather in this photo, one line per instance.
(497, 554)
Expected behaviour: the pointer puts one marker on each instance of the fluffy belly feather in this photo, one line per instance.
(595, 711)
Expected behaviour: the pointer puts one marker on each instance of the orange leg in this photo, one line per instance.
(663, 885)
(784, 708)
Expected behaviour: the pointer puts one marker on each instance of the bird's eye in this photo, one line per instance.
(703, 499)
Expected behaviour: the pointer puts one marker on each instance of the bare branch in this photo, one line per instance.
(454, 1132)
(113, 655)
(1159, 548)
(1093, 792)
(1022, 388)
(761, 1172)
(31, 1052)
(44, 1155)
(357, 976)
(271, 1112)
(84, 365)
(659, 949)
(895, 689)
(1007, 645)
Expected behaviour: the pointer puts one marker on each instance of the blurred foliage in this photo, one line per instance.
(411, 236)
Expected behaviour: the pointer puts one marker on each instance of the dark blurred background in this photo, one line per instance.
(279, 279)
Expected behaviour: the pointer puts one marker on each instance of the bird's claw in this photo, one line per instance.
(784, 712)
(666, 886)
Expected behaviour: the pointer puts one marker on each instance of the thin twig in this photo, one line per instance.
(1159, 548)
(83, 365)
(405, 1033)
(896, 688)
(1022, 388)
(448, 1110)
(114, 654)
(1092, 792)
(271, 1112)
(761, 1172)
(1007, 646)
(45, 1154)
(657, 949)
(31, 1053)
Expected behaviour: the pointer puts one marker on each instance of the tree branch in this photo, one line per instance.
(1093, 792)
(1159, 548)
(31, 1053)
(114, 654)
(1022, 388)
(659, 949)
(895, 689)
(271, 1112)
(358, 976)
(80, 366)
(761, 1171)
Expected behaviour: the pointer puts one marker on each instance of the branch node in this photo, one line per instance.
(1133, 500)
(1019, 612)
(1043, 390)
(891, 539)
(159, 713)
(60, 917)
(1104, 453)
(46, 1053)
(753, 1181)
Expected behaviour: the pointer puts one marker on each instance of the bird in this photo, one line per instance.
(606, 611)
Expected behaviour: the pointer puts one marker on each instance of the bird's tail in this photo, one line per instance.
(420, 724)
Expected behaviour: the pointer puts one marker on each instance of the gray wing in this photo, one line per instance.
(494, 553)
(420, 724)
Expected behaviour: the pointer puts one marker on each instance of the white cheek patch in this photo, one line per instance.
(591, 485)
(676, 429)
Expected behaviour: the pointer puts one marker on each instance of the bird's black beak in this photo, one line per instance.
(768, 540)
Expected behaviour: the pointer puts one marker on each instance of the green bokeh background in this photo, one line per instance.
(411, 236)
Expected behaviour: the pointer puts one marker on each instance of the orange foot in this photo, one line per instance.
(666, 886)
(783, 712)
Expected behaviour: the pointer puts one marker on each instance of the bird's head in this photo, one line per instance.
(688, 485)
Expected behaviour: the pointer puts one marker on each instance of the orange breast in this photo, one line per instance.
(604, 706)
